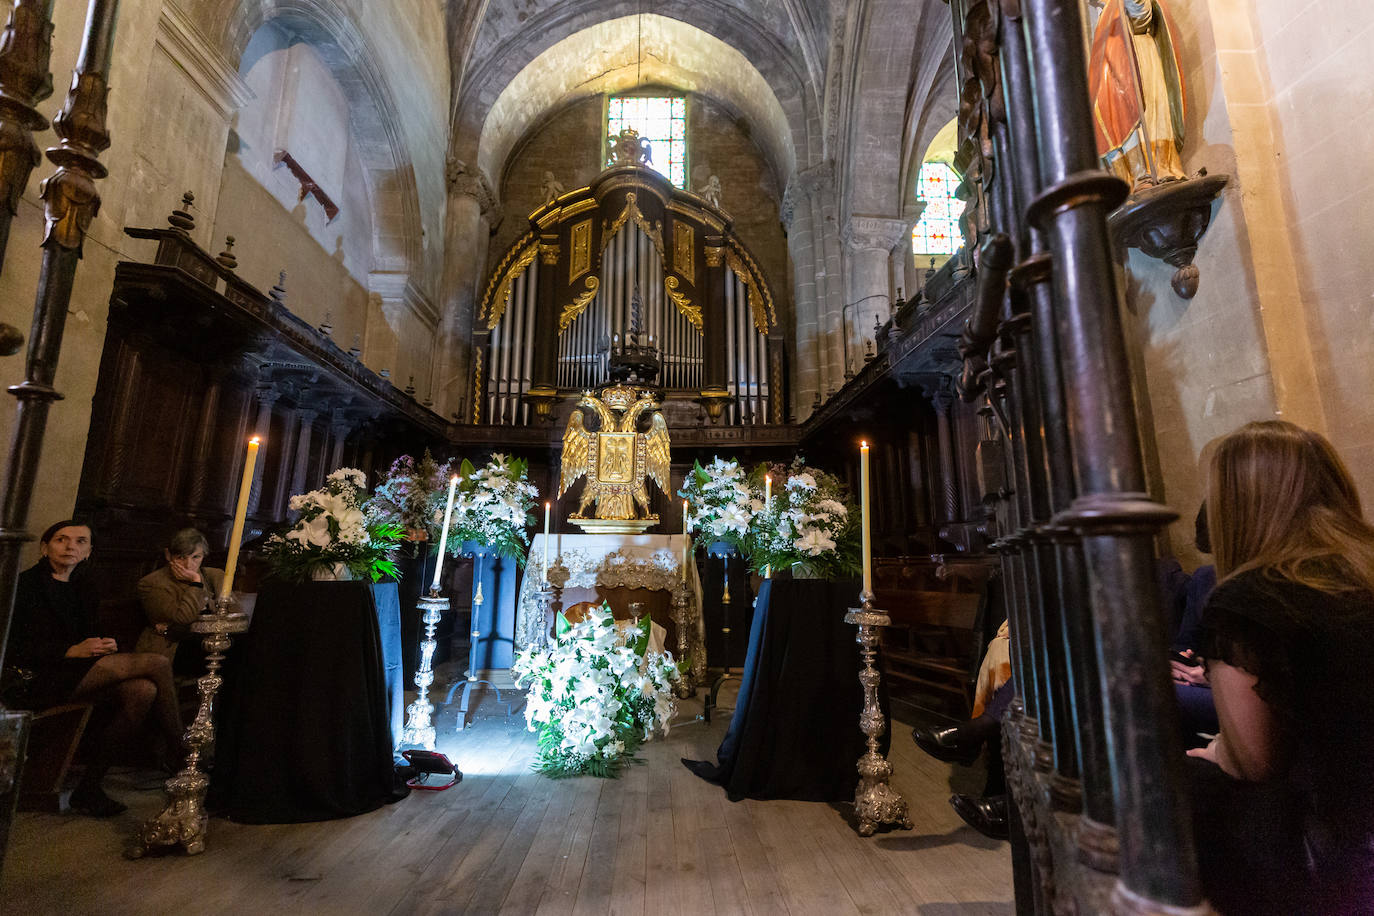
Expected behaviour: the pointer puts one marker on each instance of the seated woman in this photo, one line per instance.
(1190, 593)
(1284, 806)
(173, 596)
(56, 644)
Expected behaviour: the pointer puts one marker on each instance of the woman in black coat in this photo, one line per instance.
(57, 655)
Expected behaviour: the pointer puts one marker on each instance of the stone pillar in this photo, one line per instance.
(869, 242)
(806, 371)
(942, 400)
(467, 230)
(307, 421)
(820, 182)
(261, 428)
(339, 431)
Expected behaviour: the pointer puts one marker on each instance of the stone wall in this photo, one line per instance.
(569, 144)
(174, 97)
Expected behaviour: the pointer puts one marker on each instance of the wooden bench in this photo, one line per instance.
(936, 640)
(54, 735)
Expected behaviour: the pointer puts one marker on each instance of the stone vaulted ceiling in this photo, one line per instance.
(740, 52)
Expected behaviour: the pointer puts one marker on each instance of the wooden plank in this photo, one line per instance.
(598, 872)
(695, 888)
(490, 890)
(662, 888)
(566, 881)
(809, 883)
(660, 840)
(760, 881)
(542, 860)
(631, 850)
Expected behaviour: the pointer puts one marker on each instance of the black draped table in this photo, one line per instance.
(795, 732)
(305, 725)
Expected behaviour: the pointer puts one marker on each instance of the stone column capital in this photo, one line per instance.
(874, 232)
(470, 181)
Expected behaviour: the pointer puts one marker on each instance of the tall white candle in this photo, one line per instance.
(547, 506)
(686, 540)
(240, 513)
(443, 538)
(767, 504)
(863, 511)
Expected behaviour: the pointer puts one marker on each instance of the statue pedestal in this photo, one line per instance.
(629, 526)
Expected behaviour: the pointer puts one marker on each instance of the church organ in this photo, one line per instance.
(628, 261)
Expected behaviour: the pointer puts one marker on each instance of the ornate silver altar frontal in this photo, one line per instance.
(658, 570)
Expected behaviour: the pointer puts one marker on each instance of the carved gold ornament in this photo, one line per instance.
(684, 305)
(498, 289)
(683, 261)
(579, 304)
(581, 259)
(760, 303)
(653, 230)
(616, 458)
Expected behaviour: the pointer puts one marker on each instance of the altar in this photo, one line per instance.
(622, 570)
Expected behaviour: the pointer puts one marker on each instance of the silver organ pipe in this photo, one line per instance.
(629, 260)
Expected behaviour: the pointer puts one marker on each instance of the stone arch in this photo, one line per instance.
(781, 102)
(903, 62)
(332, 31)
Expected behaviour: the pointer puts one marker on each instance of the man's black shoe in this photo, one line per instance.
(92, 801)
(947, 744)
(986, 815)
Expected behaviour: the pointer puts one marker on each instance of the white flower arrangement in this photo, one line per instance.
(807, 524)
(492, 506)
(595, 695)
(720, 501)
(332, 529)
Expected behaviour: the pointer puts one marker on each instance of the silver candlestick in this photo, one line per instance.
(543, 600)
(682, 600)
(183, 822)
(875, 801)
(419, 728)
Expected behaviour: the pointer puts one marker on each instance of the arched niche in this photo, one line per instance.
(397, 266)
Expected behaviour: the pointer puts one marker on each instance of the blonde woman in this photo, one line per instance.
(1287, 636)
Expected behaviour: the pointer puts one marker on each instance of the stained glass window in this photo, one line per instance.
(938, 231)
(660, 120)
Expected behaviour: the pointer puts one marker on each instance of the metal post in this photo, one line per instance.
(1029, 289)
(25, 48)
(70, 202)
(1158, 868)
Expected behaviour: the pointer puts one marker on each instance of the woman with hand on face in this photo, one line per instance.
(61, 657)
(1284, 806)
(173, 596)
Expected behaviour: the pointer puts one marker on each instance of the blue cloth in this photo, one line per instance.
(388, 602)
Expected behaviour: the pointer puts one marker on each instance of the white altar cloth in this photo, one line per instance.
(652, 561)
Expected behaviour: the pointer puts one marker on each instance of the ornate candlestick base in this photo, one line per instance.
(686, 686)
(543, 599)
(875, 801)
(419, 728)
(183, 821)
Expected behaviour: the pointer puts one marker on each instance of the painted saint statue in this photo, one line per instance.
(1135, 79)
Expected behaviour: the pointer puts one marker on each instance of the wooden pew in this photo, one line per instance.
(937, 605)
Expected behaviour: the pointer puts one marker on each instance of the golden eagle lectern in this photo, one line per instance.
(616, 458)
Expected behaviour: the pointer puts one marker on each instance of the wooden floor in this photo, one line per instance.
(658, 840)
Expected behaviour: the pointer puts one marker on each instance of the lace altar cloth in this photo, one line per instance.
(652, 561)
